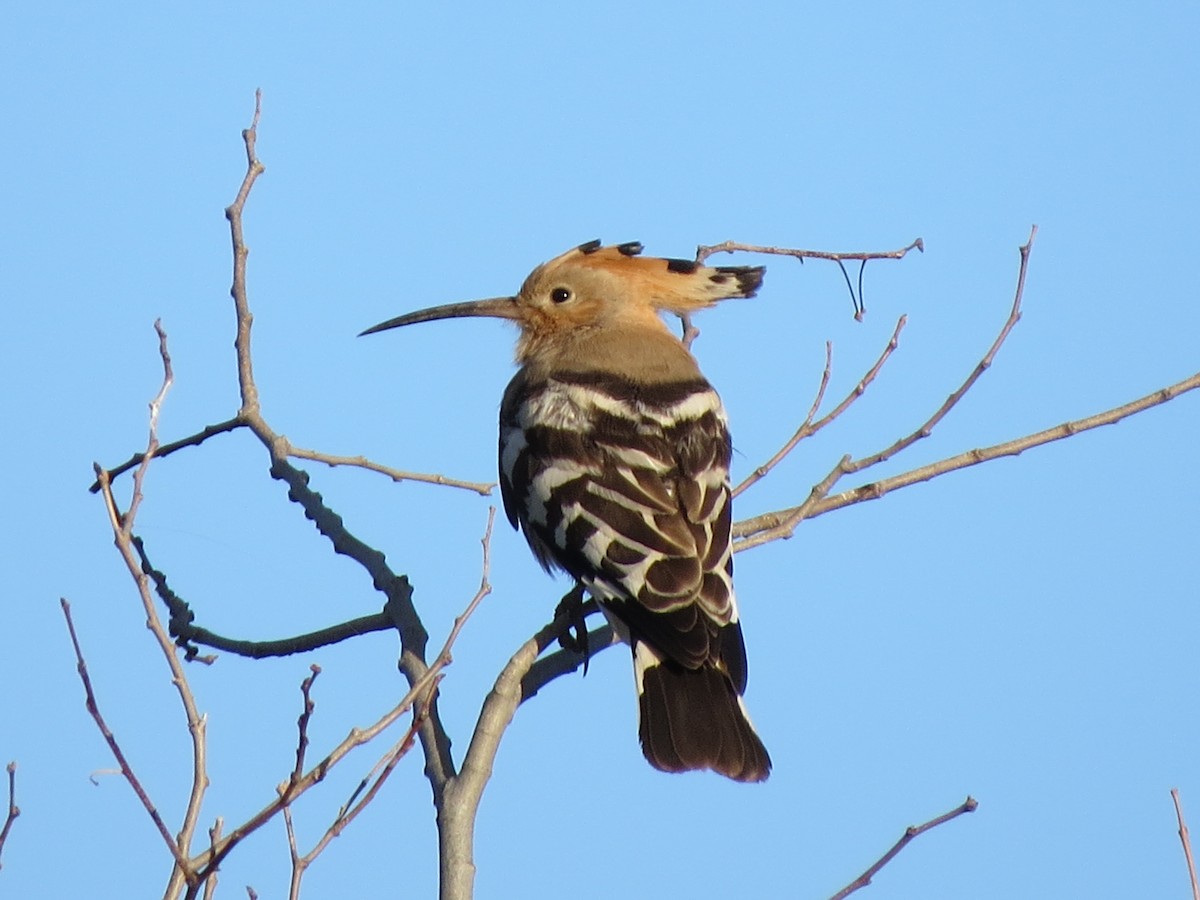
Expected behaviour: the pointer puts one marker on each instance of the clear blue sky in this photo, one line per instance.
(1025, 632)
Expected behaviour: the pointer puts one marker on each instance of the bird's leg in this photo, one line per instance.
(575, 637)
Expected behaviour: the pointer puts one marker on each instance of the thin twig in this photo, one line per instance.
(369, 789)
(865, 381)
(860, 308)
(787, 520)
(126, 770)
(233, 212)
(809, 428)
(417, 692)
(479, 487)
(911, 832)
(485, 588)
(1185, 838)
(306, 712)
(331, 460)
(13, 809)
(122, 525)
(803, 431)
(780, 524)
(294, 852)
(126, 519)
(705, 251)
(193, 440)
(210, 883)
(982, 366)
(350, 812)
(213, 857)
(690, 331)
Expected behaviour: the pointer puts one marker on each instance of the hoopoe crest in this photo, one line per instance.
(614, 463)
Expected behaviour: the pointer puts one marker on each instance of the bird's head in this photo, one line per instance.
(591, 288)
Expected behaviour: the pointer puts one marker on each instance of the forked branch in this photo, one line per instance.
(419, 698)
(781, 524)
(808, 428)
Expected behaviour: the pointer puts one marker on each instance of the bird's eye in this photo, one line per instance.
(560, 295)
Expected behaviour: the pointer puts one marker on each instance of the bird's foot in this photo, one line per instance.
(575, 637)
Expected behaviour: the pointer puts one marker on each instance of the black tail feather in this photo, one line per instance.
(693, 719)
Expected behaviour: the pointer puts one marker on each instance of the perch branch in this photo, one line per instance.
(459, 804)
(565, 661)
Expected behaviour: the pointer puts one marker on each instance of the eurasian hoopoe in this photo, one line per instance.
(614, 462)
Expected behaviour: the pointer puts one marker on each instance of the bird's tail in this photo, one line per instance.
(695, 719)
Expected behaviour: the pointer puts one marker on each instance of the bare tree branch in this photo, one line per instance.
(459, 804)
(479, 487)
(417, 698)
(982, 366)
(911, 832)
(233, 213)
(565, 661)
(187, 635)
(435, 742)
(803, 431)
(214, 834)
(781, 524)
(331, 460)
(126, 769)
(122, 526)
(1186, 840)
(860, 308)
(13, 809)
(703, 252)
(808, 427)
(193, 440)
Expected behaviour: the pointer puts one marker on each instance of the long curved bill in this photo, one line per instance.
(495, 307)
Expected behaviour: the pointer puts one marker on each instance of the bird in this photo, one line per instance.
(614, 458)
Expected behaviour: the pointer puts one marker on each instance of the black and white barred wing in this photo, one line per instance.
(626, 487)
